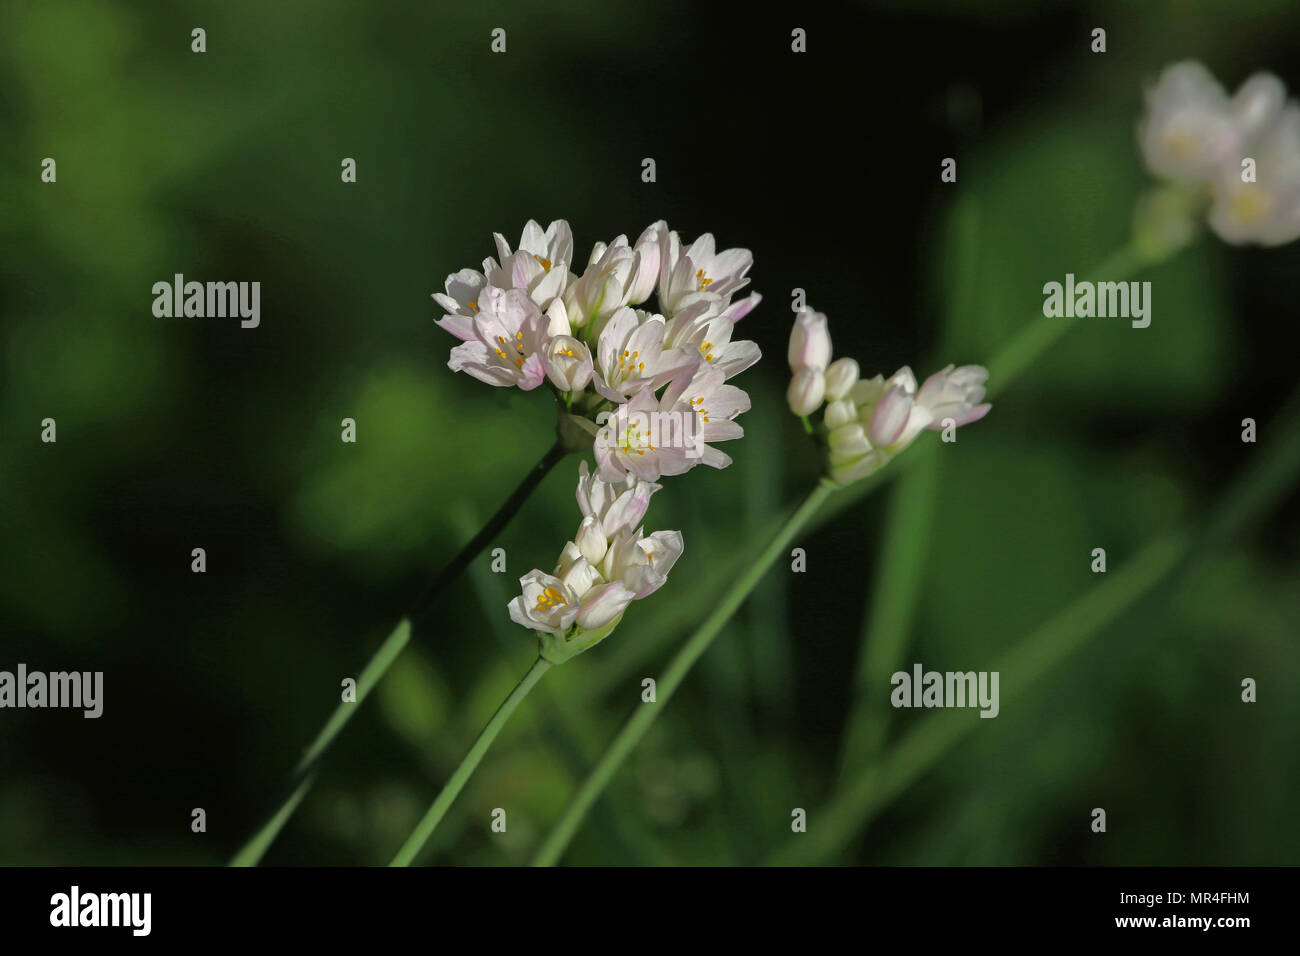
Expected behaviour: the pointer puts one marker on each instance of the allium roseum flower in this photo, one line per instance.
(605, 286)
(610, 563)
(630, 354)
(651, 436)
(869, 421)
(1197, 137)
(689, 274)
(510, 337)
(706, 333)
(528, 317)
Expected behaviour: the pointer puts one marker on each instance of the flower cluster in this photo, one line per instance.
(869, 421)
(609, 563)
(648, 387)
(1197, 136)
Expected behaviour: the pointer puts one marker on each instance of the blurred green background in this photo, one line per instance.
(176, 434)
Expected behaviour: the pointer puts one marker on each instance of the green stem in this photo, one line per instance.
(855, 803)
(888, 618)
(860, 799)
(1027, 345)
(304, 773)
(302, 778)
(644, 716)
(424, 829)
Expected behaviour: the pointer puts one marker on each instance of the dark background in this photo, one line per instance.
(175, 434)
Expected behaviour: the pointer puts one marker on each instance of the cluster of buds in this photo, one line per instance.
(647, 387)
(610, 563)
(1236, 156)
(870, 420)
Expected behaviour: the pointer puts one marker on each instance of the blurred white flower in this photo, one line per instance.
(1266, 211)
(1195, 135)
(1189, 129)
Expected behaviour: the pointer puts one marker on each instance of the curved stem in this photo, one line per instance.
(424, 829)
(644, 716)
(303, 774)
(489, 530)
(1027, 345)
(859, 799)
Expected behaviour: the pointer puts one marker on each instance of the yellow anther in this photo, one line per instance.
(546, 263)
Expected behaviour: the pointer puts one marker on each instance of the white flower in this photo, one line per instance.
(550, 248)
(881, 417)
(687, 275)
(618, 505)
(869, 421)
(540, 267)
(550, 603)
(608, 509)
(610, 563)
(707, 408)
(603, 603)
(510, 334)
(606, 284)
(642, 563)
(810, 342)
(639, 438)
(955, 393)
(568, 363)
(1189, 129)
(706, 335)
(460, 301)
(650, 437)
(542, 280)
(1193, 133)
(1267, 211)
(894, 418)
(807, 390)
(1258, 104)
(630, 354)
(841, 375)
